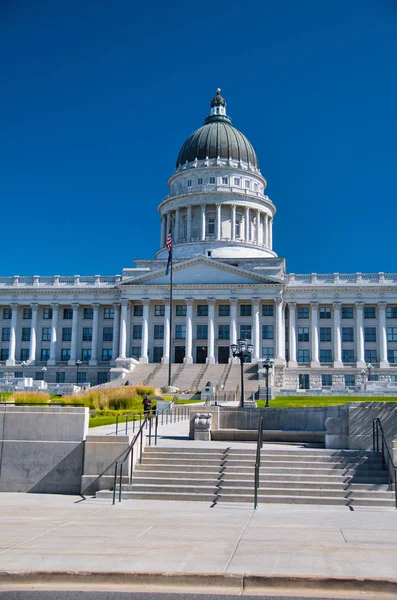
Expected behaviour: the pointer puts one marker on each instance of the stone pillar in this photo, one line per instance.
(189, 224)
(203, 223)
(145, 331)
(314, 334)
(279, 346)
(218, 221)
(383, 362)
(168, 224)
(162, 233)
(292, 335)
(13, 335)
(256, 329)
(265, 230)
(95, 330)
(211, 331)
(189, 331)
(54, 327)
(167, 333)
(271, 233)
(116, 332)
(177, 225)
(33, 334)
(123, 328)
(233, 326)
(75, 329)
(337, 336)
(360, 357)
(258, 226)
(247, 224)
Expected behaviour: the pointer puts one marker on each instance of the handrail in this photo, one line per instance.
(388, 461)
(166, 414)
(259, 446)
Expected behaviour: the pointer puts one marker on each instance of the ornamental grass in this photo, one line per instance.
(30, 398)
(118, 398)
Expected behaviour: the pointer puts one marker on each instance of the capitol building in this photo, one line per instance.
(322, 330)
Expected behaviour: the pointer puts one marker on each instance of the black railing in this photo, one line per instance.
(387, 458)
(259, 446)
(178, 413)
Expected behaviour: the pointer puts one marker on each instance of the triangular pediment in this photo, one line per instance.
(201, 271)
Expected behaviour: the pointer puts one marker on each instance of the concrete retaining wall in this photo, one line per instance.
(100, 454)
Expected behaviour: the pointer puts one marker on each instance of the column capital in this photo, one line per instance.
(359, 305)
(34, 306)
(14, 305)
(256, 301)
(166, 301)
(292, 305)
(337, 305)
(95, 305)
(233, 301)
(75, 305)
(314, 305)
(116, 305)
(278, 301)
(211, 301)
(189, 301)
(382, 305)
(145, 301)
(124, 301)
(55, 306)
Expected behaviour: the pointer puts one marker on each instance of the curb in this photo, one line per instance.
(227, 582)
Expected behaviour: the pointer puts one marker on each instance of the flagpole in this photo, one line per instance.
(170, 337)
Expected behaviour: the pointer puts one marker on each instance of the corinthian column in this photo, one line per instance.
(145, 331)
(54, 328)
(123, 328)
(166, 341)
(75, 326)
(13, 335)
(256, 328)
(314, 334)
(189, 331)
(211, 331)
(279, 346)
(292, 334)
(360, 358)
(95, 330)
(33, 335)
(383, 362)
(233, 326)
(337, 336)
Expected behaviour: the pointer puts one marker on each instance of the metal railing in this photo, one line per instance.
(166, 416)
(387, 457)
(259, 447)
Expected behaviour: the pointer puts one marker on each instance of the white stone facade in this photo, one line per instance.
(322, 330)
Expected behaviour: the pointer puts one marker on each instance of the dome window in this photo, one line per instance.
(237, 181)
(211, 226)
(212, 180)
(255, 187)
(225, 180)
(189, 183)
(247, 184)
(200, 181)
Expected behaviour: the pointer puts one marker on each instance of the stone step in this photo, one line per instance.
(295, 451)
(231, 463)
(305, 491)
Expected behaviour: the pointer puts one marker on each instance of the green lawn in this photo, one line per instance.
(310, 401)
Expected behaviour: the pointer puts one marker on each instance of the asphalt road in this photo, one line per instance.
(76, 595)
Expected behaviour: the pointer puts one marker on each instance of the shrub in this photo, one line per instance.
(126, 397)
(30, 398)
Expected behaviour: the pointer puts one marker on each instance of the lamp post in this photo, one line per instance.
(241, 350)
(369, 368)
(44, 369)
(77, 363)
(23, 365)
(268, 364)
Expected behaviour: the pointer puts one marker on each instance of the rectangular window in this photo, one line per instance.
(87, 334)
(303, 312)
(60, 377)
(225, 180)
(47, 313)
(107, 335)
(347, 334)
(370, 334)
(202, 332)
(247, 184)
(392, 334)
(103, 377)
(180, 310)
(107, 354)
(267, 332)
(325, 355)
(135, 352)
(303, 334)
(391, 312)
(159, 332)
(224, 310)
(108, 313)
(5, 334)
(138, 310)
(237, 181)
(325, 334)
(4, 354)
(371, 356)
(245, 332)
(255, 187)
(267, 310)
(348, 356)
(86, 354)
(212, 180)
(45, 354)
(391, 357)
(159, 310)
(200, 181)
(189, 183)
(39, 376)
(268, 352)
(27, 313)
(211, 226)
(68, 313)
(326, 380)
(325, 312)
(88, 313)
(46, 334)
(350, 380)
(66, 334)
(7, 312)
(202, 310)
(157, 354)
(137, 332)
(347, 312)
(223, 332)
(303, 355)
(26, 334)
(180, 332)
(245, 310)
(65, 354)
(81, 377)
(24, 353)
(369, 312)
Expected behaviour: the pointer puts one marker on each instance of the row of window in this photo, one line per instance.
(60, 376)
(347, 334)
(65, 354)
(107, 334)
(88, 313)
(224, 180)
(325, 356)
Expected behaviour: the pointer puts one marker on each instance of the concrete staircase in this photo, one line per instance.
(251, 382)
(298, 476)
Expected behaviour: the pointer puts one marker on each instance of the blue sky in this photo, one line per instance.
(97, 97)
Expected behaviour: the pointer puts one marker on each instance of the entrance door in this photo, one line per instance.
(201, 354)
(223, 355)
(304, 381)
(179, 354)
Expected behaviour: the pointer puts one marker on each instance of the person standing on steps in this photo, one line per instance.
(147, 404)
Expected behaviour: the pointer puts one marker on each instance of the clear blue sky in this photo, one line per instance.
(97, 96)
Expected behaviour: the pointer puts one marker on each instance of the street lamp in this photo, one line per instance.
(44, 369)
(369, 367)
(77, 363)
(241, 350)
(268, 364)
(23, 365)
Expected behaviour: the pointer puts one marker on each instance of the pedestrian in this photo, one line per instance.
(147, 403)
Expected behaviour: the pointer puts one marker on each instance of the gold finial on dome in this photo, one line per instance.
(218, 91)
(218, 100)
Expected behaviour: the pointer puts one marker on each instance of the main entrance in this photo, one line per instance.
(179, 354)
(223, 355)
(201, 354)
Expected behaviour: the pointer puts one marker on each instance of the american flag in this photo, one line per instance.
(168, 243)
